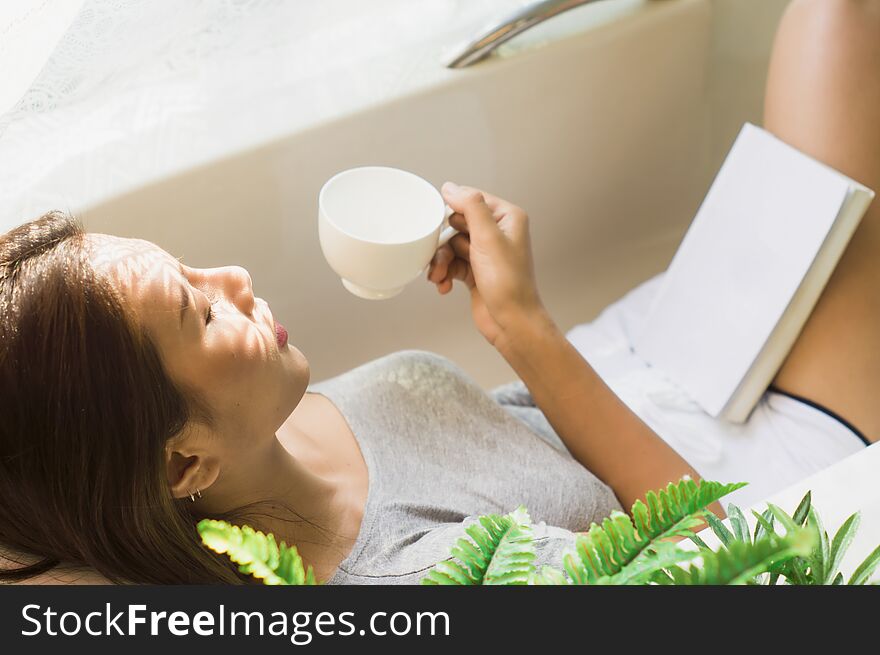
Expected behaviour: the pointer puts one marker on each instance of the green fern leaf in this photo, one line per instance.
(699, 542)
(658, 515)
(742, 561)
(738, 523)
(675, 511)
(815, 565)
(721, 531)
(500, 552)
(866, 569)
(801, 571)
(256, 554)
(650, 562)
(764, 524)
(662, 578)
(841, 543)
(796, 572)
(823, 552)
(803, 509)
(784, 519)
(763, 528)
(548, 576)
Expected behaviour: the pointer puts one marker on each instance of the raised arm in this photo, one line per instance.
(493, 257)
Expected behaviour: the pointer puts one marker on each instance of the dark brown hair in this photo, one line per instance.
(86, 408)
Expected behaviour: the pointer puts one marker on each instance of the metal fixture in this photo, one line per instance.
(508, 28)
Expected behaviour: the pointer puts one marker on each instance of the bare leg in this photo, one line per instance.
(823, 97)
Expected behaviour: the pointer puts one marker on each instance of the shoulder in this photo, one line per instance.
(406, 367)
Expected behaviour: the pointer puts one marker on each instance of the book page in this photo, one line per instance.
(754, 238)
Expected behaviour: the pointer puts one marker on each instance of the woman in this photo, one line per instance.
(179, 396)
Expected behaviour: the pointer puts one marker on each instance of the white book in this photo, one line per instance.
(749, 271)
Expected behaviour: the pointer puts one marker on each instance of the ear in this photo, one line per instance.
(189, 468)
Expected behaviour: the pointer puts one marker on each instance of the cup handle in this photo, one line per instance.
(448, 232)
(446, 235)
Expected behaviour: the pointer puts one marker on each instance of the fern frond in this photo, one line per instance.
(764, 524)
(699, 542)
(548, 576)
(819, 566)
(675, 511)
(840, 544)
(725, 536)
(678, 501)
(256, 554)
(649, 564)
(817, 560)
(741, 561)
(738, 523)
(500, 552)
(803, 509)
(866, 569)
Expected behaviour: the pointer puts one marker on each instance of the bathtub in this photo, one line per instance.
(607, 124)
(608, 134)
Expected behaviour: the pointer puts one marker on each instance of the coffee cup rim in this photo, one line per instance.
(355, 169)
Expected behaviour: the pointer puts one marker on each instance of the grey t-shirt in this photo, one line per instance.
(439, 452)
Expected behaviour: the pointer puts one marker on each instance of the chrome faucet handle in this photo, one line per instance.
(514, 24)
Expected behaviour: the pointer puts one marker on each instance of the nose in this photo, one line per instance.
(239, 288)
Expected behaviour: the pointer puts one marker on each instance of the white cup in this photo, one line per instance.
(379, 228)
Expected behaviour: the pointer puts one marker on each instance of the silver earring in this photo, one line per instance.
(192, 496)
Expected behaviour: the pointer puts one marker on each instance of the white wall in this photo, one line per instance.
(602, 137)
(609, 138)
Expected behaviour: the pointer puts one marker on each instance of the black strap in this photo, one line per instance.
(824, 410)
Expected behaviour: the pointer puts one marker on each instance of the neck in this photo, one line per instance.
(300, 502)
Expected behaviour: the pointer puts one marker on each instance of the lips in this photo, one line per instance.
(280, 335)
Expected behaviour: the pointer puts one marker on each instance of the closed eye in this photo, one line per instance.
(209, 314)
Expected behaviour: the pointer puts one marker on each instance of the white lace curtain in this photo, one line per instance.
(132, 86)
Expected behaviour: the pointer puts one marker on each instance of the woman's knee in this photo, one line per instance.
(824, 46)
(823, 86)
(843, 16)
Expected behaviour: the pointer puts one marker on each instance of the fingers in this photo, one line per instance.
(461, 246)
(457, 246)
(498, 231)
(510, 219)
(440, 263)
(460, 270)
(471, 204)
(444, 271)
(499, 206)
(496, 204)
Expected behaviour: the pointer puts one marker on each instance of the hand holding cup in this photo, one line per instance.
(492, 255)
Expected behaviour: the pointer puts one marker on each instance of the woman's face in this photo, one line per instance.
(214, 337)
